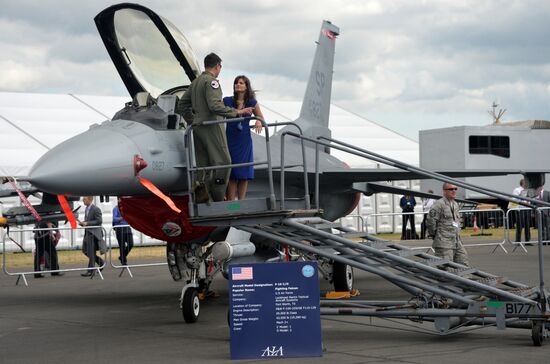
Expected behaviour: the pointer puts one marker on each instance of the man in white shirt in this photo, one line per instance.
(523, 217)
(426, 206)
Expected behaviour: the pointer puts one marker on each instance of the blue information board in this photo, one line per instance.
(274, 310)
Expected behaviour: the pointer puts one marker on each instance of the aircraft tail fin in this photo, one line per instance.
(314, 114)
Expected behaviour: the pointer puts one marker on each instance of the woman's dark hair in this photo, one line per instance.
(249, 94)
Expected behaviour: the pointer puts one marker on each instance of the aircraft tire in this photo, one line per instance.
(537, 333)
(191, 306)
(342, 277)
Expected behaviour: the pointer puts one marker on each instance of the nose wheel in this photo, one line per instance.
(190, 305)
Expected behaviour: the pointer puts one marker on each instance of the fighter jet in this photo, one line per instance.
(145, 156)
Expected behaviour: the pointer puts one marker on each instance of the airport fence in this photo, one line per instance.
(53, 241)
(67, 240)
(479, 227)
(124, 236)
(522, 222)
(354, 221)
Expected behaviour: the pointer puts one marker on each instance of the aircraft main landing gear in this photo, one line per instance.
(342, 277)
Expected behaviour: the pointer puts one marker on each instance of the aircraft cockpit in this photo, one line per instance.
(149, 52)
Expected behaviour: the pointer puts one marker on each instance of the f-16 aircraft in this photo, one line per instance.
(145, 156)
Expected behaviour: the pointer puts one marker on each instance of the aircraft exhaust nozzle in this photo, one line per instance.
(224, 250)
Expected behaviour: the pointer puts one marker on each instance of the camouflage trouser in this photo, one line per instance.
(457, 254)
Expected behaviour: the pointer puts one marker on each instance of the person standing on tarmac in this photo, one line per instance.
(201, 102)
(443, 224)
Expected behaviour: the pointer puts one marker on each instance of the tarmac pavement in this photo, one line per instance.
(73, 319)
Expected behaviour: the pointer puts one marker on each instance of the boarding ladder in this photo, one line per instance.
(416, 271)
(442, 291)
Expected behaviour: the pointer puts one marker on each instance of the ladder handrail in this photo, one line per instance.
(351, 149)
(404, 166)
(191, 163)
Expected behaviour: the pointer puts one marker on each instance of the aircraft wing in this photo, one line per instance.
(369, 188)
(390, 174)
(7, 190)
(350, 176)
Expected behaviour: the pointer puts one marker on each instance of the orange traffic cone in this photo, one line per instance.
(476, 229)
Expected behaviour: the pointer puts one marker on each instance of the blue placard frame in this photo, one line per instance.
(274, 310)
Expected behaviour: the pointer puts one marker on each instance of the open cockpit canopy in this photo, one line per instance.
(148, 51)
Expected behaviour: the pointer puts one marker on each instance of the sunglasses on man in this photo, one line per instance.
(451, 189)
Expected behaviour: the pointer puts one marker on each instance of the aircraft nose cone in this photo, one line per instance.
(97, 162)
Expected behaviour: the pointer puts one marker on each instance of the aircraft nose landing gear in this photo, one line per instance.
(190, 304)
(187, 262)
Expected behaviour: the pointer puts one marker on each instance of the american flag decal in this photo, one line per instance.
(329, 34)
(241, 273)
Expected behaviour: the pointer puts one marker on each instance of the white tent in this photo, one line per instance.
(31, 124)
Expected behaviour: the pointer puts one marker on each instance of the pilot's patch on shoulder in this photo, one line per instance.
(215, 84)
(432, 213)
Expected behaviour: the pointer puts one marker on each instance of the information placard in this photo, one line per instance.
(274, 310)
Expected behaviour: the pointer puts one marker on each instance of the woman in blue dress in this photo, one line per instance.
(239, 139)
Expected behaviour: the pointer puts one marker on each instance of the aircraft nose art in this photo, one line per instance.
(99, 161)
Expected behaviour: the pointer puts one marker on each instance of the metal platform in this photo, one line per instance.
(247, 212)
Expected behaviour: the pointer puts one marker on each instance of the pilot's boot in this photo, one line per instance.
(201, 192)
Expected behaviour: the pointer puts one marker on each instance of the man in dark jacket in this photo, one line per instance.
(93, 234)
(407, 204)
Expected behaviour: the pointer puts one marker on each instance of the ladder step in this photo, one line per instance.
(330, 225)
(491, 281)
(461, 272)
(353, 235)
(405, 253)
(523, 291)
(377, 244)
(434, 262)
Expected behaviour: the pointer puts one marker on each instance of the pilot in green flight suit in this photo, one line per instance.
(201, 102)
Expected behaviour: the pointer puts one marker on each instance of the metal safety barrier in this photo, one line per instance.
(372, 222)
(357, 222)
(522, 221)
(482, 220)
(479, 220)
(64, 234)
(123, 236)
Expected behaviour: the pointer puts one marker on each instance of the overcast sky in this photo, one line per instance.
(407, 65)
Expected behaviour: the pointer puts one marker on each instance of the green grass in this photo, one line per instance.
(77, 258)
(468, 233)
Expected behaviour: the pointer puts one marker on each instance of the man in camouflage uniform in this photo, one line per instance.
(443, 224)
(201, 102)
